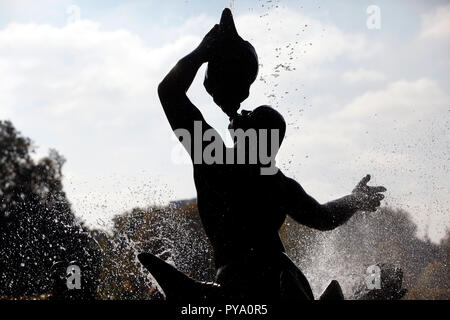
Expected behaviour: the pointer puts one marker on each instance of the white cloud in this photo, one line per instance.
(435, 37)
(436, 24)
(362, 76)
(405, 101)
(399, 134)
(306, 40)
(91, 94)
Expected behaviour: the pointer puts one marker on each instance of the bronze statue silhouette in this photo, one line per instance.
(241, 209)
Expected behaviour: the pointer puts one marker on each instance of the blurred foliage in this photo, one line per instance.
(38, 228)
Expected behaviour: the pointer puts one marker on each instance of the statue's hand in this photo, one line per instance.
(367, 198)
(208, 46)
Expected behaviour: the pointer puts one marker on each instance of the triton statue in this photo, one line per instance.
(242, 209)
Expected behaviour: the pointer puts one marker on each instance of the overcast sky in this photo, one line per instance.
(81, 78)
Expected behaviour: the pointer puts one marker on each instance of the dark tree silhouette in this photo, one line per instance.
(37, 226)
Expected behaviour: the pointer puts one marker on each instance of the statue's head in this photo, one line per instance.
(262, 119)
(234, 68)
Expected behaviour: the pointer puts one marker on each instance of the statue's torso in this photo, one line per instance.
(241, 210)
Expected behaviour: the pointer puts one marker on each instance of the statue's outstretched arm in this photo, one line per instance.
(307, 211)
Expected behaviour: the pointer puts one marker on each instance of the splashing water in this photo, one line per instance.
(386, 236)
(173, 234)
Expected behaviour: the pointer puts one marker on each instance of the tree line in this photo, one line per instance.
(39, 232)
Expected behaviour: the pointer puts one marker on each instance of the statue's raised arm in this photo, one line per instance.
(180, 111)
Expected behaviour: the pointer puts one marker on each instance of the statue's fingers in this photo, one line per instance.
(378, 189)
(375, 198)
(214, 30)
(363, 181)
(379, 196)
(375, 206)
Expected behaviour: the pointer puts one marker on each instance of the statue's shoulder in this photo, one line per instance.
(286, 184)
(281, 176)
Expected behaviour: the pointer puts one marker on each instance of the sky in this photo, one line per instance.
(363, 86)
